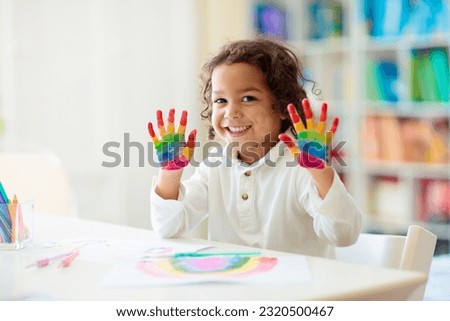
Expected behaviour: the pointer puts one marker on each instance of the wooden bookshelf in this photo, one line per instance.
(338, 64)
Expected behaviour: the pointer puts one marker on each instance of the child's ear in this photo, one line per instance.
(283, 116)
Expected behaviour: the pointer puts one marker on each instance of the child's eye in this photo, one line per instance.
(219, 101)
(248, 98)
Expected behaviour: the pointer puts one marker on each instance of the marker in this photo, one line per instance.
(67, 261)
(5, 224)
(12, 212)
(195, 254)
(3, 196)
(46, 261)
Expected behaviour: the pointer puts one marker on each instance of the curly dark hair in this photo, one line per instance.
(279, 65)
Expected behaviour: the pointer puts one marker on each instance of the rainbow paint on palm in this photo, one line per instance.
(313, 147)
(171, 149)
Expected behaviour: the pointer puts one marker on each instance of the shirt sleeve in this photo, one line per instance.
(174, 218)
(337, 219)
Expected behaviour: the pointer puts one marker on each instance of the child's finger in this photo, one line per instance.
(334, 125)
(289, 142)
(295, 118)
(323, 119)
(183, 122)
(323, 113)
(160, 120)
(170, 120)
(188, 151)
(191, 139)
(308, 114)
(152, 133)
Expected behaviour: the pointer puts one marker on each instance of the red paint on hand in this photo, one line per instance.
(323, 114)
(293, 113)
(150, 130)
(334, 125)
(307, 109)
(183, 120)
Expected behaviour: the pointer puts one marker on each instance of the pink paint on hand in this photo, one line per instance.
(309, 161)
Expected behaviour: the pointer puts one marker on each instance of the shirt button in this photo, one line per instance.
(248, 173)
(245, 196)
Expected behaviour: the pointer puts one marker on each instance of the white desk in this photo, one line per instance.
(330, 280)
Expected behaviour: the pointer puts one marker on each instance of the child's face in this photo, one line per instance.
(242, 110)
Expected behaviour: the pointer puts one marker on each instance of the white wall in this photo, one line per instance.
(75, 74)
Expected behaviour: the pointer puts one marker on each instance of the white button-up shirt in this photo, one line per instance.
(270, 204)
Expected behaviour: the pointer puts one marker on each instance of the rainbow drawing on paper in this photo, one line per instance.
(212, 266)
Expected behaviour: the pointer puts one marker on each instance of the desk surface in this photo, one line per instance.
(330, 279)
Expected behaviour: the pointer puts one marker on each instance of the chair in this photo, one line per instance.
(39, 177)
(412, 252)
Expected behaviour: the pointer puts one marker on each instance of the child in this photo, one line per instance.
(255, 196)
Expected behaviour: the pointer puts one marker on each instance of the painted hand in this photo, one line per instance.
(313, 146)
(171, 149)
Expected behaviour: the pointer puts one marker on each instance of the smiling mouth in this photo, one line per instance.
(237, 130)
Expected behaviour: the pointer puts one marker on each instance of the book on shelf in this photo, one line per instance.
(440, 68)
(385, 18)
(326, 19)
(370, 137)
(270, 19)
(427, 83)
(428, 16)
(430, 75)
(392, 147)
(415, 87)
(393, 18)
(372, 83)
(433, 201)
(382, 77)
(389, 138)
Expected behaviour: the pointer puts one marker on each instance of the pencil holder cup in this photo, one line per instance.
(16, 225)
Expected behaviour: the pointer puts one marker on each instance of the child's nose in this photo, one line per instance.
(233, 111)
